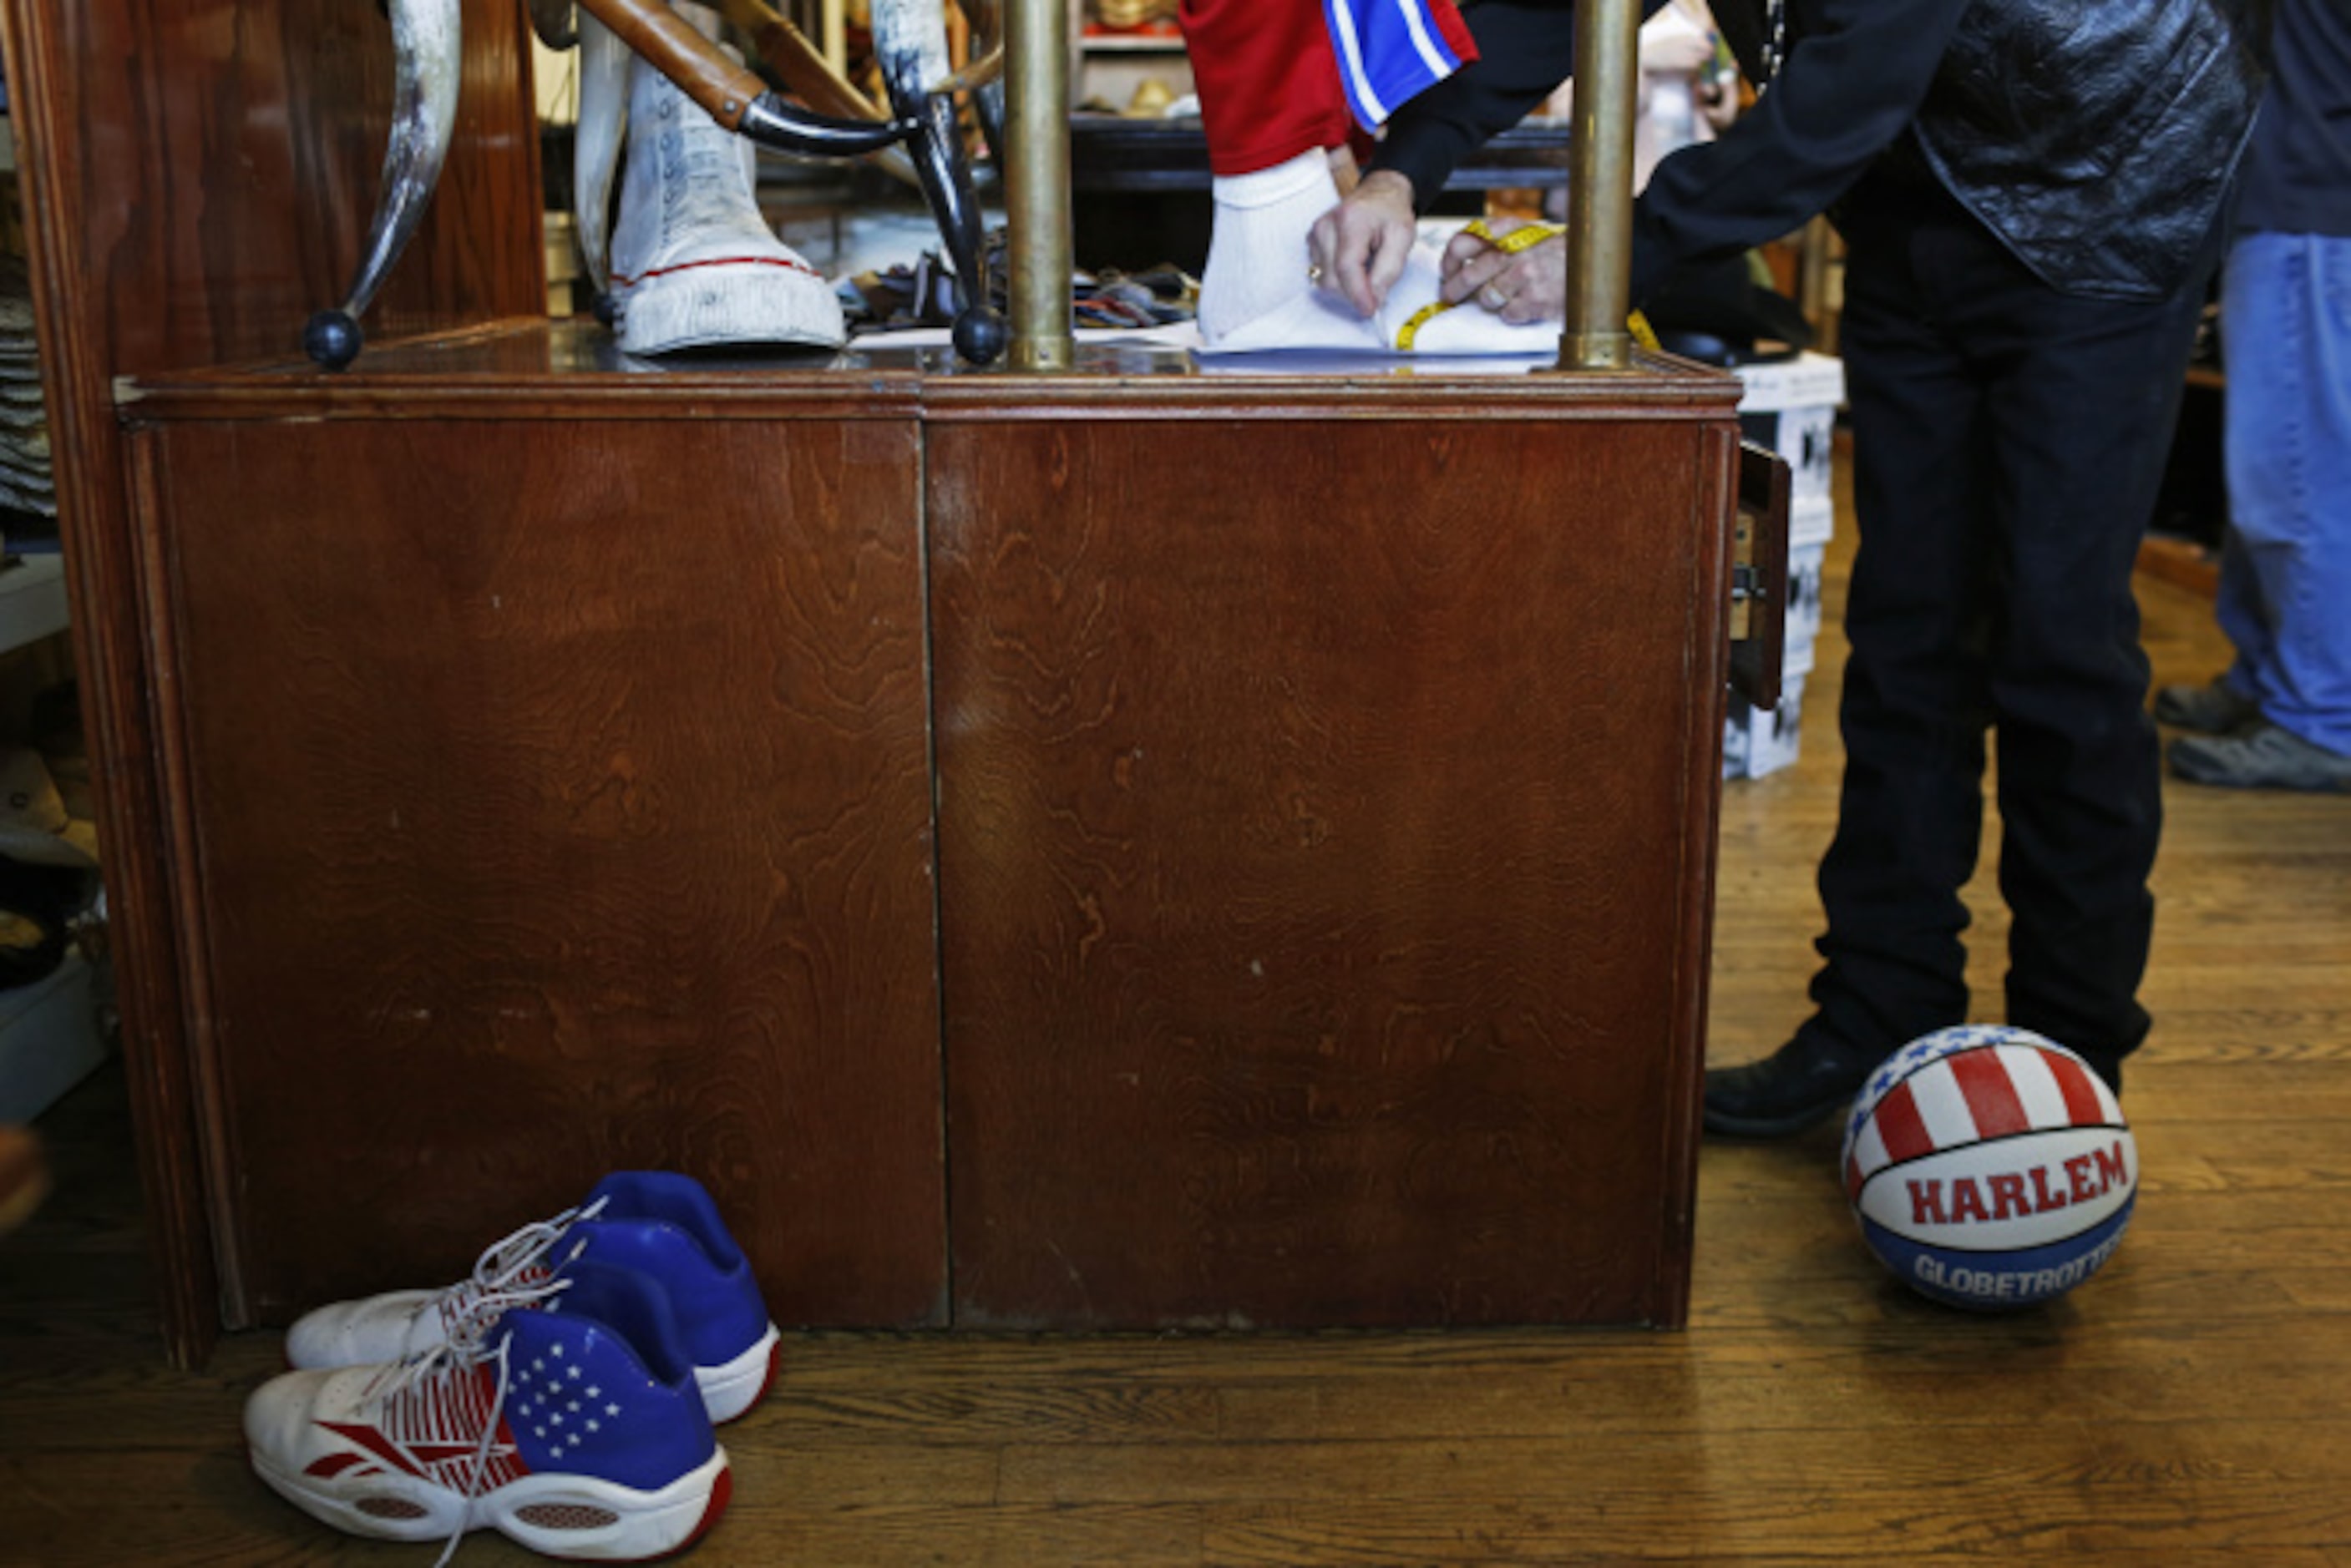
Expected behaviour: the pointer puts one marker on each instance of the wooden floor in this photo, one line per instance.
(2188, 1405)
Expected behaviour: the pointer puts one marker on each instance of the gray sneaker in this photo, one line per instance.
(2215, 708)
(2264, 757)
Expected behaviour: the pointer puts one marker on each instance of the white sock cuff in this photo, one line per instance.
(1266, 187)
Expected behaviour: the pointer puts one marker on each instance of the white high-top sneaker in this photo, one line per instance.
(570, 1421)
(660, 1223)
(693, 264)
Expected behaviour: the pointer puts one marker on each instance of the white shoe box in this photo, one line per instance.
(1760, 741)
(49, 1040)
(1803, 622)
(1790, 407)
(1804, 436)
(1811, 522)
(1807, 381)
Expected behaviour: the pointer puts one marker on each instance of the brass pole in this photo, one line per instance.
(1814, 283)
(1037, 179)
(1600, 188)
(836, 36)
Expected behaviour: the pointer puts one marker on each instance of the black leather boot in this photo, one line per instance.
(1797, 1086)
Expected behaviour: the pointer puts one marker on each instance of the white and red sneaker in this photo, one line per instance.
(658, 1222)
(575, 1429)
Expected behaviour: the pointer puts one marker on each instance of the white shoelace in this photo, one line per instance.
(462, 1351)
(511, 1263)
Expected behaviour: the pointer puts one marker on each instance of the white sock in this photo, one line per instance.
(1257, 249)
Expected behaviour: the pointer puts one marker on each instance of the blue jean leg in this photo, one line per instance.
(2286, 591)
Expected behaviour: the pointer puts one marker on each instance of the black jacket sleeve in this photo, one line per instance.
(1850, 86)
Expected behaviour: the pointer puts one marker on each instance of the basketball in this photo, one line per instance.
(1990, 1168)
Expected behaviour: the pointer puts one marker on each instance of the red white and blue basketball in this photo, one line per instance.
(1990, 1168)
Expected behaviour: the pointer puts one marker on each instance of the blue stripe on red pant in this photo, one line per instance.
(1389, 51)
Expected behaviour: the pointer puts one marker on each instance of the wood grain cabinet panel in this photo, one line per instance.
(557, 799)
(1326, 821)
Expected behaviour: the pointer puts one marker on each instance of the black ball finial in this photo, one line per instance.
(981, 335)
(332, 339)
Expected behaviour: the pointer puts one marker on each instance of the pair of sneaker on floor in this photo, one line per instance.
(564, 1395)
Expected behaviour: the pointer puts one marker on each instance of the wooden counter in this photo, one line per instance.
(1131, 850)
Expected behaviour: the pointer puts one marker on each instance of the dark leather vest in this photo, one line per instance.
(2096, 138)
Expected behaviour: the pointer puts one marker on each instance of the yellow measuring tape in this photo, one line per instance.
(1517, 240)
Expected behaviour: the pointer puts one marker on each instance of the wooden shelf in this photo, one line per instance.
(1112, 152)
(1129, 44)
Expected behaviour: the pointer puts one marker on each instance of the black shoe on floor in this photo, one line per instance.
(1795, 1087)
(2215, 708)
(2264, 757)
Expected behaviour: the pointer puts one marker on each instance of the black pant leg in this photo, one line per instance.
(2083, 406)
(1917, 695)
(2009, 440)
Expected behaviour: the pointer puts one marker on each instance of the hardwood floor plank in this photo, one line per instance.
(1546, 1532)
(2173, 1474)
(174, 1507)
(805, 1529)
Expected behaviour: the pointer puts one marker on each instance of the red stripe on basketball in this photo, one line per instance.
(1992, 1099)
(1898, 1124)
(2081, 1094)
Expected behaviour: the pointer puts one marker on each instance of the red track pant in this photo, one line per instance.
(1268, 80)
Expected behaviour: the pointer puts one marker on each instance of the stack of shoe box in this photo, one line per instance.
(1789, 406)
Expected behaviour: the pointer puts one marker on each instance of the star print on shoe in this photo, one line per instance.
(496, 1429)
